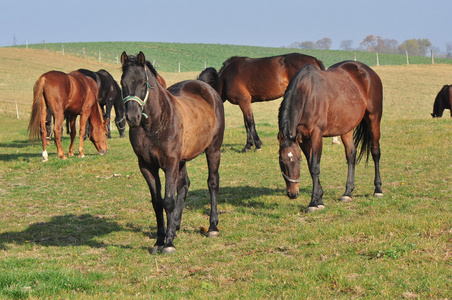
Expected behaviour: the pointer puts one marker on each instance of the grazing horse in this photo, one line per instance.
(169, 127)
(109, 95)
(345, 100)
(243, 80)
(443, 101)
(72, 94)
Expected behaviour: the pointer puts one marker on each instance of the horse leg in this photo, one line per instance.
(152, 178)
(83, 122)
(213, 156)
(182, 191)
(251, 133)
(106, 114)
(313, 152)
(43, 122)
(73, 132)
(170, 204)
(350, 154)
(57, 131)
(375, 150)
(120, 119)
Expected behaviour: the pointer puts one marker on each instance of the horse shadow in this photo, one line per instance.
(239, 196)
(67, 230)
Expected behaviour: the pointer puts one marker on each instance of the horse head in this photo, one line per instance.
(289, 162)
(135, 86)
(99, 135)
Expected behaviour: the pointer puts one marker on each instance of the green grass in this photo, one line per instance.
(83, 228)
(194, 57)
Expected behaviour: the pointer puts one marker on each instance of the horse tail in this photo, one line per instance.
(363, 136)
(34, 126)
(210, 76)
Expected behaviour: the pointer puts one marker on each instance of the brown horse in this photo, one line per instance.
(443, 101)
(169, 127)
(345, 100)
(243, 80)
(73, 94)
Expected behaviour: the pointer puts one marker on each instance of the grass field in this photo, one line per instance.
(82, 228)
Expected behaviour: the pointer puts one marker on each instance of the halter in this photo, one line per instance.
(138, 99)
(290, 179)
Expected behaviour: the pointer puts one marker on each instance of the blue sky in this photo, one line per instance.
(273, 23)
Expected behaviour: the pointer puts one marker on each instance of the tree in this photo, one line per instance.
(324, 43)
(417, 47)
(370, 43)
(346, 45)
(307, 45)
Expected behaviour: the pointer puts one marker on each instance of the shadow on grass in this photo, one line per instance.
(68, 230)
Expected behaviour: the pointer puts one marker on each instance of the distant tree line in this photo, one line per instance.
(372, 43)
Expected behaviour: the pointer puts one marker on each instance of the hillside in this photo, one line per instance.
(174, 57)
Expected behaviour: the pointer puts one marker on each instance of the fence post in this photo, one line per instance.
(433, 58)
(355, 56)
(99, 56)
(17, 110)
(378, 60)
(178, 66)
(83, 51)
(62, 48)
(407, 60)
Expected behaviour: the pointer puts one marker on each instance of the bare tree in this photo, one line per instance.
(346, 45)
(308, 45)
(415, 46)
(324, 43)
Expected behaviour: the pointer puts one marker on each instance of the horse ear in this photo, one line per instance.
(106, 122)
(124, 58)
(141, 58)
(280, 137)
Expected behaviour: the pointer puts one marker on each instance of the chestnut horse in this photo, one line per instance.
(109, 96)
(442, 101)
(243, 80)
(72, 94)
(167, 128)
(345, 100)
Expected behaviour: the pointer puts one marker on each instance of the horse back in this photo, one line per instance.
(263, 79)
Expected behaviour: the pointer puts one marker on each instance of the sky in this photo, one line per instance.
(268, 23)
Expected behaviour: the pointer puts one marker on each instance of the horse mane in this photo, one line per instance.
(286, 110)
(210, 76)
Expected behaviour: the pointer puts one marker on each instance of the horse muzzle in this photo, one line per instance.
(103, 151)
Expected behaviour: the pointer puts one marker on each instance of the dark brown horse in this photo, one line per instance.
(345, 100)
(443, 101)
(73, 94)
(169, 127)
(243, 80)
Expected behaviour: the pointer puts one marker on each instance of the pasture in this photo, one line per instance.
(82, 228)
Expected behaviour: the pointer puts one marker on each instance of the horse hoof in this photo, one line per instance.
(213, 234)
(156, 249)
(346, 199)
(378, 195)
(45, 159)
(257, 149)
(311, 209)
(169, 250)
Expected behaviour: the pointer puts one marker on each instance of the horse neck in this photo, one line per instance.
(157, 105)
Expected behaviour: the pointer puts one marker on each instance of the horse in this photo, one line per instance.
(442, 101)
(345, 100)
(109, 95)
(244, 80)
(72, 94)
(167, 128)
